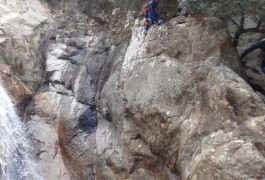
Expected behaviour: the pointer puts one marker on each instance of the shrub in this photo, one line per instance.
(234, 11)
(129, 4)
(195, 8)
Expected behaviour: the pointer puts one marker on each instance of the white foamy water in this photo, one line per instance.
(15, 160)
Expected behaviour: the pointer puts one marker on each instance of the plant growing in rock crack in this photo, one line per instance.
(1, 60)
(129, 4)
(11, 62)
(17, 68)
(116, 42)
(95, 8)
(195, 8)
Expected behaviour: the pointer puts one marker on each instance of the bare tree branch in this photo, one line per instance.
(253, 30)
(233, 21)
(242, 21)
(259, 23)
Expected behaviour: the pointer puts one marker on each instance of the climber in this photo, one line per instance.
(151, 14)
(261, 45)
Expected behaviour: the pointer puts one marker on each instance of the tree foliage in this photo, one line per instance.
(129, 4)
(235, 11)
(195, 8)
(228, 9)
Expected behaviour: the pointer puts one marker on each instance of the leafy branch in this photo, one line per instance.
(236, 11)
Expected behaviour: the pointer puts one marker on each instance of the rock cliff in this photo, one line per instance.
(184, 105)
(110, 102)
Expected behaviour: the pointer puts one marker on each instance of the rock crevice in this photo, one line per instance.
(169, 104)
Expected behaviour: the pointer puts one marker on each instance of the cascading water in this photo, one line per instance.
(15, 161)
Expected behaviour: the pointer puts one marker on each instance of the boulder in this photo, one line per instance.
(169, 104)
(179, 103)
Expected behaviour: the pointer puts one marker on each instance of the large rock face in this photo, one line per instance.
(168, 105)
(78, 56)
(19, 36)
(179, 103)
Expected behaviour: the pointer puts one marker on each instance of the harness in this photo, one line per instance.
(146, 6)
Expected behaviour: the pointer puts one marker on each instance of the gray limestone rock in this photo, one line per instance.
(168, 105)
(179, 100)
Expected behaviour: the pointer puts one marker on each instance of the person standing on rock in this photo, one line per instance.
(151, 14)
(258, 45)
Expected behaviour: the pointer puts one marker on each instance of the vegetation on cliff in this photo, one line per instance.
(236, 12)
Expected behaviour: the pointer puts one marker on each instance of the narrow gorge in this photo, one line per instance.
(97, 98)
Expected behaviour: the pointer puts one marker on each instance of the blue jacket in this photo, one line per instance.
(152, 8)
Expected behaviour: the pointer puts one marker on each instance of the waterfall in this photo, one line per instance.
(15, 161)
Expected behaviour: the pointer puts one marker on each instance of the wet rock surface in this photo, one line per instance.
(77, 61)
(169, 104)
(18, 91)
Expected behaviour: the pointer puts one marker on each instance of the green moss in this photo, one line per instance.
(2, 60)
(11, 62)
(116, 42)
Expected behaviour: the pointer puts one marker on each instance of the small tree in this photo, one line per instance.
(236, 11)
(195, 8)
